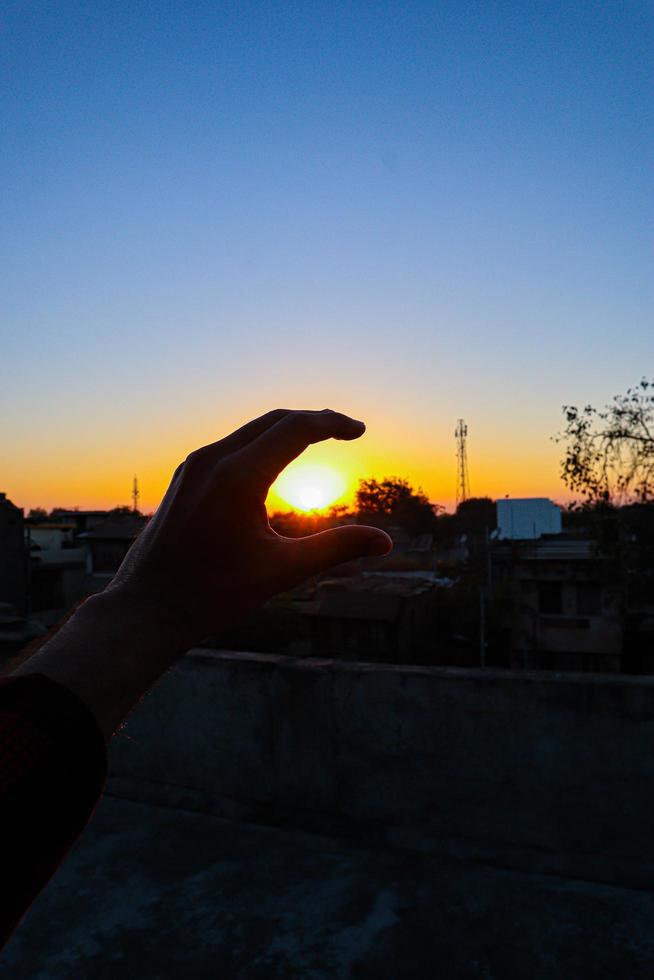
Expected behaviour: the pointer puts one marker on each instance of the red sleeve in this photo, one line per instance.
(53, 766)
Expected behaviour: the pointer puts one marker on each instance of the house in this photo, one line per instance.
(374, 617)
(82, 520)
(562, 604)
(109, 541)
(58, 564)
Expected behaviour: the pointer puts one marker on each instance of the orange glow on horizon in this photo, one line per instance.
(50, 473)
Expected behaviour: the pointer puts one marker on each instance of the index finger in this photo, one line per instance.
(283, 442)
(241, 437)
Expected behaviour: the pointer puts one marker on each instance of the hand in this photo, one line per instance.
(209, 554)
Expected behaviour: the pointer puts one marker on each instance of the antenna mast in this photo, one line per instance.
(462, 484)
(135, 495)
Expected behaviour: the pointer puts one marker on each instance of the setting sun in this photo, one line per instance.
(310, 487)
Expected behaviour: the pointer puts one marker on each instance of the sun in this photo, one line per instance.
(310, 487)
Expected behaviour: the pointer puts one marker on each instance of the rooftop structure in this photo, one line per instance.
(527, 518)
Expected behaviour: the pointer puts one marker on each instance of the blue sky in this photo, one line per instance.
(412, 212)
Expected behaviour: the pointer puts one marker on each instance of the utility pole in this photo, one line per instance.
(135, 495)
(462, 484)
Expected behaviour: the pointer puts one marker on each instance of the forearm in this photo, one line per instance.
(53, 765)
(110, 653)
(105, 657)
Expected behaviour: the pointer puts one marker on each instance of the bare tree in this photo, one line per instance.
(609, 452)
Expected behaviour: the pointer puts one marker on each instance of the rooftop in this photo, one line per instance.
(367, 596)
(116, 529)
(6, 502)
(159, 893)
(560, 548)
(53, 526)
(382, 583)
(270, 817)
(76, 512)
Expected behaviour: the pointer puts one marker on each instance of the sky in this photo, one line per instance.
(410, 212)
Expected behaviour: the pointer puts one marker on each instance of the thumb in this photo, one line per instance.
(320, 551)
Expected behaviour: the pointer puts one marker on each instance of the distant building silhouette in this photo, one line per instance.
(57, 568)
(564, 605)
(13, 556)
(110, 540)
(83, 520)
(383, 617)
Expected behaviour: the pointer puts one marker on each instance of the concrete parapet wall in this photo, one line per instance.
(546, 772)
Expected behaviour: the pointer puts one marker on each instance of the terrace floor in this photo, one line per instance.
(155, 893)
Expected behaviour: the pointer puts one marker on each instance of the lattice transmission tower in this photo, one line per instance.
(462, 484)
(135, 495)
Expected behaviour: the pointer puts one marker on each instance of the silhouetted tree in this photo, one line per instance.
(476, 515)
(37, 515)
(475, 518)
(609, 453)
(338, 512)
(394, 501)
(383, 497)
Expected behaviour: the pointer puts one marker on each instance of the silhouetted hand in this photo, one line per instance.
(209, 554)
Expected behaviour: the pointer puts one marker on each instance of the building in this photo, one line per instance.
(58, 566)
(379, 617)
(560, 604)
(527, 518)
(412, 545)
(109, 541)
(82, 520)
(13, 556)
